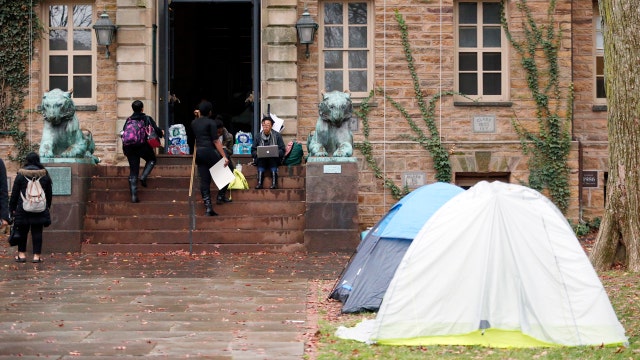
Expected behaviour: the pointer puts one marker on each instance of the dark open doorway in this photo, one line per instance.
(211, 58)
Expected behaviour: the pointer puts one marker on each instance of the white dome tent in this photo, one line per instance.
(498, 266)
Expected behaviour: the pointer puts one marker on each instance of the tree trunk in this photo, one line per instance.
(620, 226)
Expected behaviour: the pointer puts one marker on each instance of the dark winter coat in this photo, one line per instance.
(143, 150)
(20, 216)
(4, 193)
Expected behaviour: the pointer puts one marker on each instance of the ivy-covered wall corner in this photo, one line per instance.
(548, 147)
(429, 140)
(20, 30)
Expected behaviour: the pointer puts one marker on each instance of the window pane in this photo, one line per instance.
(57, 39)
(468, 61)
(600, 88)
(58, 82)
(468, 13)
(82, 64)
(600, 85)
(600, 65)
(58, 16)
(468, 84)
(491, 36)
(357, 37)
(491, 62)
(599, 38)
(333, 13)
(357, 59)
(357, 80)
(491, 13)
(82, 16)
(333, 80)
(82, 39)
(58, 65)
(357, 13)
(492, 84)
(333, 37)
(468, 37)
(333, 60)
(82, 86)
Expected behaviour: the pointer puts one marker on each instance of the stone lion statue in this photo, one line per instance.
(61, 134)
(332, 136)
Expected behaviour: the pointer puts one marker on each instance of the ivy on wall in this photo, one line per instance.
(19, 28)
(549, 147)
(431, 142)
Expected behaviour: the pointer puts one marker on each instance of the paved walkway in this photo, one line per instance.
(170, 306)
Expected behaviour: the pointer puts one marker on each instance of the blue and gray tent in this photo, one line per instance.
(365, 279)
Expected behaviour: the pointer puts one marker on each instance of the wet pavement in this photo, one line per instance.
(169, 306)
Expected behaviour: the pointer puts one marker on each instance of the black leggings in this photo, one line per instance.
(205, 159)
(36, 237)
(134, 153)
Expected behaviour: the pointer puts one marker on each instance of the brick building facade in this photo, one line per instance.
(154, 36)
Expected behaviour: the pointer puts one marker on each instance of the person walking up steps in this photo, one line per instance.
(208, 151)
(135, 147)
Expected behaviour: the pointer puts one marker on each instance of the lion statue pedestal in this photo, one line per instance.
(332, 179)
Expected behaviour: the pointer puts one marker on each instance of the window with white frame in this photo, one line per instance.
(69, 63)
(600, 94)
(345, 41)
(481, 56)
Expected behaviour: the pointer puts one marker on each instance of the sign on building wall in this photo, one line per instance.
(413, 179)
(484, 123)
(590, 178)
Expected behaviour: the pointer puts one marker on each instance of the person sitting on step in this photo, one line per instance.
(268, 136)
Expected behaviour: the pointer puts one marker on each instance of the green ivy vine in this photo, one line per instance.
(367, 150)
(549, 148)
(430, 142)
(19, 28)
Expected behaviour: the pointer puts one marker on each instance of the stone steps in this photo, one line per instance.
(166, 219)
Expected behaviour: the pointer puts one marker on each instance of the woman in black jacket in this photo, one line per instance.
(208, 151)
(30, 221)
(136, 152)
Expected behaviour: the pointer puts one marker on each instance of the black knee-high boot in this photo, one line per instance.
(208, 205)
(222, 196)
(260, 179)
(133, 188)
(274, 180)
(145, 173)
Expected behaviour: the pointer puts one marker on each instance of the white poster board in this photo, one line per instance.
(221, 174)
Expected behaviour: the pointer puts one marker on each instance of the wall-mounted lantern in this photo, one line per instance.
(105, 31)
(306, 29)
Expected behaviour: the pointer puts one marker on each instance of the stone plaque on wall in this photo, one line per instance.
(590, 178)
(413, 179)
(484, 123)
(61, 177)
